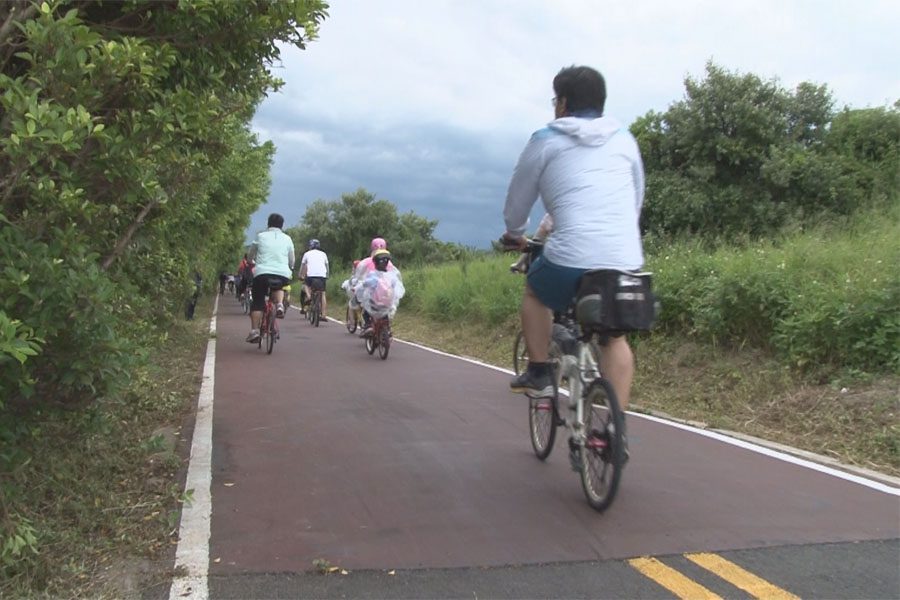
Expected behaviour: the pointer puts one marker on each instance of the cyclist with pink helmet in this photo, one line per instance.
(367, 265)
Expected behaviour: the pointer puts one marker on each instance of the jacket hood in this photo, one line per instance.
(587, 132)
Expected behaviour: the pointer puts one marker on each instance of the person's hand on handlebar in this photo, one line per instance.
(513, 242)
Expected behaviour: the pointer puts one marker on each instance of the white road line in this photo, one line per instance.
(786, 457)
(192, 555)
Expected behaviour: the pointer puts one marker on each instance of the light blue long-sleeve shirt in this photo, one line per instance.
(590, 177)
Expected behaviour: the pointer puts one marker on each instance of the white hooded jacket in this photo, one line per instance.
(589, 175)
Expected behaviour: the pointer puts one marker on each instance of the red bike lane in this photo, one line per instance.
(322, 452)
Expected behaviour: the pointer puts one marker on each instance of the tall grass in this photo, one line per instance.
(821, 300)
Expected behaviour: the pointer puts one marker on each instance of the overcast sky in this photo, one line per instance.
(428, 103)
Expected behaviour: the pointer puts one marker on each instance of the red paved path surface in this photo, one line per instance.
(424, 461)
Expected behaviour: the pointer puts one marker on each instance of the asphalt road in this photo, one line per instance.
(414, 478)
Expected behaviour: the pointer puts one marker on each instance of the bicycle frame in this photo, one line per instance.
(579, 368)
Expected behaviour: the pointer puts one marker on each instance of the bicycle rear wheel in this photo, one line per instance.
(384, 341)
(603, 452)
(271, 334)
(315, 310)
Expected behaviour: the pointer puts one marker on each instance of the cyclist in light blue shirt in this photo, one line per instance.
(273, 251)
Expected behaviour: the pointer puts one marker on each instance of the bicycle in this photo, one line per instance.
(314, 310)
(591, 413)
(380, 337)
(268, 327)
(246, 300)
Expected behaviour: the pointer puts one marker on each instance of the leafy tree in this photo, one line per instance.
(345, 228)
(740, 155)
(126, 162)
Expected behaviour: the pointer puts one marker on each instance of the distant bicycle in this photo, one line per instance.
(246, 300)
(379, 337)
(268, 327)
(314, 310)
(590, 410)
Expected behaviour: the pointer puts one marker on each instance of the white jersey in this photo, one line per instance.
(316, 263)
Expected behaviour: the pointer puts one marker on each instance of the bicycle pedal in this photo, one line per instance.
(574, 455)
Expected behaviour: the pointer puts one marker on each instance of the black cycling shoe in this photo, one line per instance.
(540, 386)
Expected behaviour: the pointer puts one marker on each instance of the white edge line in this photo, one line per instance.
(192, 554)
(875, 485)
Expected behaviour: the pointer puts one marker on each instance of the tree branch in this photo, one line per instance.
(129, 233)
(14, 17)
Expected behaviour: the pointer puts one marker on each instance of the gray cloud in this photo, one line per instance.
(428, 104)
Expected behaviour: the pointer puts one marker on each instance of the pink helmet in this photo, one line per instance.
(378, 244)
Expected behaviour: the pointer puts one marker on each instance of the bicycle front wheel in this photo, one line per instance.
(520, 354)
(542, 425)
(370, 343)
(384, 342)
(603, 454)
(350, 320)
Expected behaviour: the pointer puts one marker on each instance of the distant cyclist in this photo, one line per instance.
(273, 251)
(380, 290)
(365, 266)
(314, 273)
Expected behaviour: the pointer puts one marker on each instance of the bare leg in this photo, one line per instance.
(537, 323)
(617, 365)
(255, 318)
(324, 305)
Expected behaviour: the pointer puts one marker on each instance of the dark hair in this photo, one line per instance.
(582, 87)
(276, 220)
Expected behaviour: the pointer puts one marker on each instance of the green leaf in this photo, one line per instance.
(45, 8)
(67, 135)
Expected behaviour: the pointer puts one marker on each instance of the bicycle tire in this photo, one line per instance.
(261, 333)
(520, 353)
(542, 423)
(271, 335)
(370, 343)
(315, 308)
(603, 452)
(350, 320)
(384, 343)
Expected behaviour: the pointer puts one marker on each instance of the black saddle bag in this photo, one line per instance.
(611, 301)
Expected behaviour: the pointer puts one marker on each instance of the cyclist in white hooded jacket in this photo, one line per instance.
(587, 170)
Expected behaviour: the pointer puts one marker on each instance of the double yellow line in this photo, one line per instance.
(686, 588)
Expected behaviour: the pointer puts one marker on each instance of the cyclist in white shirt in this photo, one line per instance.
(314, 272)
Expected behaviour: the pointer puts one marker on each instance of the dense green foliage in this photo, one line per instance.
(345, 228)
(739, 155)
(126, 163)
(823, 300)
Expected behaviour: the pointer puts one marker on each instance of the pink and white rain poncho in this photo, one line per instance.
(380, 292)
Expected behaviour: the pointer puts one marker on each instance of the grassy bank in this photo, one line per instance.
(795, 340)
(101, 491)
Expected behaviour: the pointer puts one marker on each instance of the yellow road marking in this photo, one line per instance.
(671, 579)
(737, 576)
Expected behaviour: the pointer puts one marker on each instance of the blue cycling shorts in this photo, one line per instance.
(554, 286)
